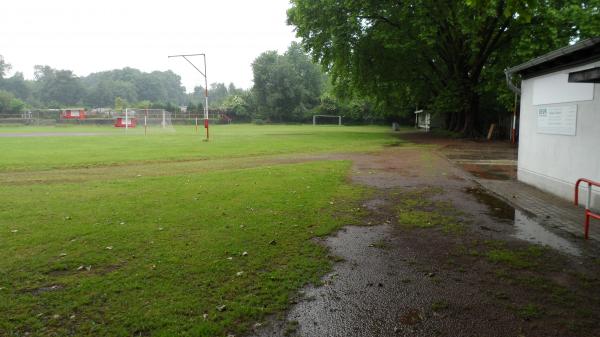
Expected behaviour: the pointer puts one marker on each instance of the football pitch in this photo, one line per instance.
(107, 233)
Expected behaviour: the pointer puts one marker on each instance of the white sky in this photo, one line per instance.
(91, 36)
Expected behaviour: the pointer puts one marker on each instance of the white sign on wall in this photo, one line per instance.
(555, 88)
(557, 120)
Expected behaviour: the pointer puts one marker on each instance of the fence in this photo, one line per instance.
(48, 117)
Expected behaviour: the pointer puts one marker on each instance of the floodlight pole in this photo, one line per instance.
(185, 56)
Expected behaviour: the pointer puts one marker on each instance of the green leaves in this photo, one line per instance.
(10, 104)
(286, 86)
(440, 55)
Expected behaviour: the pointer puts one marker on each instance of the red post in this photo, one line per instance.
(206, 127)
(587, 225)
(588, 213)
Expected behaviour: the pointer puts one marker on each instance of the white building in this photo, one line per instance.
(425, 120)
(559, 132)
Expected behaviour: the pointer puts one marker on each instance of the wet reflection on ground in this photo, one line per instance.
(528, 229)
(526, 226)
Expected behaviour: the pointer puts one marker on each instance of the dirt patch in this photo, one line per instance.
(495, 172)
(474, 277)
(43, 289)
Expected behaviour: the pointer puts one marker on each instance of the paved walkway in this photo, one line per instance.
(549, 210)
(482, 158)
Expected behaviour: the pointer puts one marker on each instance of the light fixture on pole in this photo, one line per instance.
(185, 57)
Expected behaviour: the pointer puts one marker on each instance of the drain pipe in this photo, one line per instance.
(517, 91)
(509, 82)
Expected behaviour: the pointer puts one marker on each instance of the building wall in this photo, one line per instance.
(554, 162)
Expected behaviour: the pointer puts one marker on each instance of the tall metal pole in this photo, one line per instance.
(205, 98)
(205, 86)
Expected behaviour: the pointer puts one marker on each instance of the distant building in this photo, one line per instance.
(559, 136)
(426, 120)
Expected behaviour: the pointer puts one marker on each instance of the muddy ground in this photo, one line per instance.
(439, 256)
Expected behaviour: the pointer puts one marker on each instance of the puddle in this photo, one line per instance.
(374, 204)
(526, 227)
(498, 208)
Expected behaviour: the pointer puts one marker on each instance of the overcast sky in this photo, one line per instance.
(91, 36)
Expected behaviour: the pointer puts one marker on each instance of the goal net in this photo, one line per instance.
(327, 119)
(144, 119)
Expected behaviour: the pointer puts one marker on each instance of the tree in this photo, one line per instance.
(286, 86)
(4, 67)
(58, 87)
(120, 104)
(9, 103)
(133, 85)
(437, 54)
(238, 107)
(217, 95)
(17, 85)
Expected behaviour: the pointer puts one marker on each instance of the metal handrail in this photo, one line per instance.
(588, 213)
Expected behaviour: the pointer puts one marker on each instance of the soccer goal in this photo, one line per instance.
(144, 119)
(327, 119)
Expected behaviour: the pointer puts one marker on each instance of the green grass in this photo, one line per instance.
(159, 247)
(440, 305)
(518, 258)
(530, 311)
(152, 241)
(417, 209)
(227, 141)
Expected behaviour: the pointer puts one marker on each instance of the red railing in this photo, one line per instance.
(588, 213)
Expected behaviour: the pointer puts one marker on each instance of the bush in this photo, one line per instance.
(10, 104)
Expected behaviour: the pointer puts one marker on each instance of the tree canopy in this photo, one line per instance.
(442, 55)
(55, 88)
(286, 86)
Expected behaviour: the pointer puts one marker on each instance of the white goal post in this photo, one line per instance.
(339, 118)
(131, 118)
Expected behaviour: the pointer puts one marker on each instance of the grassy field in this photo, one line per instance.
(114, 147)
(194, 249)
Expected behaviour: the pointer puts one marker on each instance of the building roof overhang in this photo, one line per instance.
(580, 53)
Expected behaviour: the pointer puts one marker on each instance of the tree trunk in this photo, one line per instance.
(453, 121)
(471, 114)
(458, 122)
